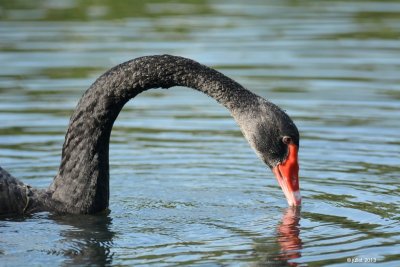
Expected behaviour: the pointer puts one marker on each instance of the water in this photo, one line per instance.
(186, 189)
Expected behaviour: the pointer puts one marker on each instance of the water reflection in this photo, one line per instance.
(88, 241)
(287, 244)
(288, 234)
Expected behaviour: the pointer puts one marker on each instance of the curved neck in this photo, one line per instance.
(82, 183)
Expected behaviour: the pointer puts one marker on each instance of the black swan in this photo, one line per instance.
(81, 185)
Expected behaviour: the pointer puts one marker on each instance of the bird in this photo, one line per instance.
(81, 185)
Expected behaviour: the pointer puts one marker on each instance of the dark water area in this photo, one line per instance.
(186, 188)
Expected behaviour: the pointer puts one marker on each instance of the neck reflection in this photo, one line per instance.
(88, 239)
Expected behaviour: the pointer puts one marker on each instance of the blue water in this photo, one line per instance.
(186, 189)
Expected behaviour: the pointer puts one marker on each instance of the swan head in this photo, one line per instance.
(275, 139)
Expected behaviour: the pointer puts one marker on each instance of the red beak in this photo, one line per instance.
(287, 174)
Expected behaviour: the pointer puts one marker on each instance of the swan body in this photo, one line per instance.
(81, 185)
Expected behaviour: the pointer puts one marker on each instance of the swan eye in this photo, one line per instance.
(286, 140)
